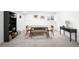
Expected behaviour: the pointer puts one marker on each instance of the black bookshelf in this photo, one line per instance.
(10, 25)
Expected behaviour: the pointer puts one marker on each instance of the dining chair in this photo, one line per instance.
(52, 29)
(27, 29)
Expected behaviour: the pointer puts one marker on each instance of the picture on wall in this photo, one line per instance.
(52, 17)
(35, 16)
(42, 17)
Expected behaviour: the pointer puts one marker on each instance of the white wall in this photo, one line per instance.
(20, 22)
(72, 16)
(28, 19)
(1, 27)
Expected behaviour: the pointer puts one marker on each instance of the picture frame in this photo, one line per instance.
(35, 16)
(42, 17)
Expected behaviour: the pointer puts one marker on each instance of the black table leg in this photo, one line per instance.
(70, 36)
(76, 36)
(60, 31)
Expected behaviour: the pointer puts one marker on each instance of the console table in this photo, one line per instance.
(70, 30)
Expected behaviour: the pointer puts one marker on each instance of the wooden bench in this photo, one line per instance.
(39, 31)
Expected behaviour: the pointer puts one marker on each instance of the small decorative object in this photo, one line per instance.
(35, 16)
(10, 37)
(63, 26)
(15, 15)
(20, 17)
(13, 28)
(42, 17)
(67, 22)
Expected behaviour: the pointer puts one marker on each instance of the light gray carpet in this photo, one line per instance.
(40, 41)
